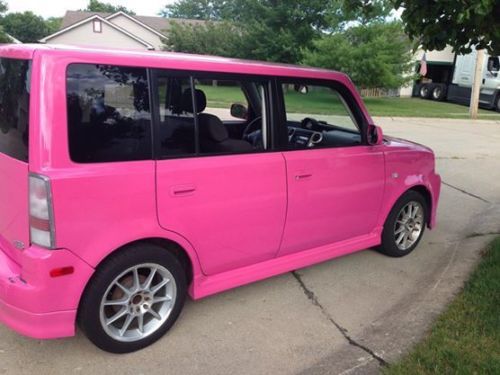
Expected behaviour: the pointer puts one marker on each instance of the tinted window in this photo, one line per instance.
(176, 128)
(14, 107)
(222, 130)
(109, 116)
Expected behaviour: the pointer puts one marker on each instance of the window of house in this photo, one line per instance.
(109, 116)
(97, 26)
(318, 116)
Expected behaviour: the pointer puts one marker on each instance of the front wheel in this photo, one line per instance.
(133, 299)
(405, 225)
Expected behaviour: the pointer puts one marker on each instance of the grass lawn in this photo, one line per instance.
(466, 338)
(325, 104)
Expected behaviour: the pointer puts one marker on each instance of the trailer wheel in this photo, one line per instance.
(439, 92)
(425, 91)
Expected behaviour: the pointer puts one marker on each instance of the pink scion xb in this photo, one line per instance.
(131, 179)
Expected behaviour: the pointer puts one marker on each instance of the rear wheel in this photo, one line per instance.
(425, 91)
(438, 92)
(405, 225)
(497, 107)
(133, 299)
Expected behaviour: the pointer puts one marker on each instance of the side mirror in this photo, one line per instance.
(375, 135)
(239, 111)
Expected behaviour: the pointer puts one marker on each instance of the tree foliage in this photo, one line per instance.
(460, 24)
(210, 38)
(3, 37)
(26, 26)
(374, 55)
(53, 24)
(98, 6)
(338, 34)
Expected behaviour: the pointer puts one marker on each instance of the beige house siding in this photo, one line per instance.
(138, 30)
(84, 35)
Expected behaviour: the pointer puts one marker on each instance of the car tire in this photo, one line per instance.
(405, 225)
(133, 298)
(438, 92)
(497, 103)
(425, 91)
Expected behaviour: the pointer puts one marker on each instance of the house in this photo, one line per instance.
(12, 39)
(112, 30)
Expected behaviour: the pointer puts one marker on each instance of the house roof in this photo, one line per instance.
(104, 20)
(160, 24)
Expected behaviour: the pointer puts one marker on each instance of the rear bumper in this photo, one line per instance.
(33, 303)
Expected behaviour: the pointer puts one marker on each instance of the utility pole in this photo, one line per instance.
(476, 85)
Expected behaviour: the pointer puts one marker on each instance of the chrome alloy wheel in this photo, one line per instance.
(138, 302)
(409, 225)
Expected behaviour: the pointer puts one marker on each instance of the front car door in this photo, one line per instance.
(335, 179)
(223, 193)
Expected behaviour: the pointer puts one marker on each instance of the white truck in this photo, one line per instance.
(450, 77)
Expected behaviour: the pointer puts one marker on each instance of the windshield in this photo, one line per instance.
(14, 107)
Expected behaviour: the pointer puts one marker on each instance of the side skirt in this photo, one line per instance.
(203, 286)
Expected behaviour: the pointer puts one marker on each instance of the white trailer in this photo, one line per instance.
(453, 81)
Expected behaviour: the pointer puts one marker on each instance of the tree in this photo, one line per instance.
(199, 10)
(53, 24)
(377, 55)
(97, 6)
(267, 29)
(3, 37)
(460, 24)
(26, 26)
(211, 38)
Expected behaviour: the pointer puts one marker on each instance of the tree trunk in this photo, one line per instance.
(476, 85)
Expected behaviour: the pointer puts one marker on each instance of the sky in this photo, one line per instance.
(57, 8)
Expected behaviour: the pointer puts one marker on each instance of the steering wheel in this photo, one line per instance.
(253, 127)
(309, 123)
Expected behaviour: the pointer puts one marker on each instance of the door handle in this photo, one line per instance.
(303, 176)
(182, 190)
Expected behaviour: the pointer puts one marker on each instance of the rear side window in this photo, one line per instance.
(14, 107)
(109, 117)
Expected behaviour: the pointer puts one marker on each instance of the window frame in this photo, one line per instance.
(268, 82)
(345, 95)
(149, 129)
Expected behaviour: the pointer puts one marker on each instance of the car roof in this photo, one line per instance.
(175, 60)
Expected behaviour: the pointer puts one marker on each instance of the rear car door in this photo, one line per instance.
(335, 179)
(224, 194)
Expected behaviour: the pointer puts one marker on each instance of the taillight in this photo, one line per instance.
(42, 231)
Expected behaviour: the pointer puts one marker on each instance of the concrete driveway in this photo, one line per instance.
(346, 316)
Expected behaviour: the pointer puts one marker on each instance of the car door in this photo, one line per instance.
(224, 196)
(335, 180)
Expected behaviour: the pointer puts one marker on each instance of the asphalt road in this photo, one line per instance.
(346, 316)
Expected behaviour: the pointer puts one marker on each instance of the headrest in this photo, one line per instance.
(211, 127)
(187, 102)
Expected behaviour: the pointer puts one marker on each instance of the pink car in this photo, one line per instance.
(131, 179)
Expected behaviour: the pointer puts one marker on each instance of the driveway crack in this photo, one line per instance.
(314, 300)
(465, 192)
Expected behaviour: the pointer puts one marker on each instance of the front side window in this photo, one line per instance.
(14, 107)
(109, 117)
(232, 116)
(318, 116)
(220, 116)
